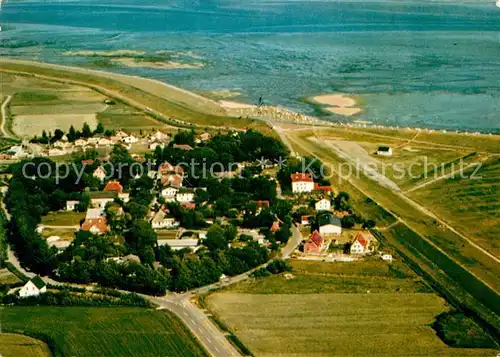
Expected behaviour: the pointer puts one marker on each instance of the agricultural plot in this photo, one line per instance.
(120, 116)
(278, 317)
(13, 345)
(472, 205)
(78, 331)
(7, 278)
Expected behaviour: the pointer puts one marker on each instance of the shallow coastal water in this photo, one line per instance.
(413, 63)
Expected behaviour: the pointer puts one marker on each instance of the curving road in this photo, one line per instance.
(4, 116)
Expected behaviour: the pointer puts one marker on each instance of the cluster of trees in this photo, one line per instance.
(277, 266)
(220, 152)
(72, 134)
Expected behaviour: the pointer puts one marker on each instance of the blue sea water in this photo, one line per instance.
(421, 63)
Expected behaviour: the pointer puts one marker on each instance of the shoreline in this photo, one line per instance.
(229, 108)
(336, 103)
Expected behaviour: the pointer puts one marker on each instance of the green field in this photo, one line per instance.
(78, 331)
(14, 345)
(366, 308)
(473, 205)
(68, 218)
(7, 278)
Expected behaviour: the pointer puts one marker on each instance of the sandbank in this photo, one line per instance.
(133, 63)
(336, 100)
(343, 111)
(116, 53)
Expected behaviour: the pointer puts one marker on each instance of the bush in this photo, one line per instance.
(278, 266)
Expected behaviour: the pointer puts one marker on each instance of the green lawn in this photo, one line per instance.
(79, 331)
(63, 218)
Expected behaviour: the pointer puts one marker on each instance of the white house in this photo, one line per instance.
(387, 257)
(178, 244)
(185, 195)
(104, 142)
(329, 224)
(100, 173)
(80, 142)
(124, 196)
(158, 136)
(56, 152)
(323, 205)
(71, 205)
(121, 134)
(362, 243)
(302, 182)
(101, 202)
(384, 151)
(129, 139)
(155, 144)
(169, 193)
(161, 220)
(34, 287)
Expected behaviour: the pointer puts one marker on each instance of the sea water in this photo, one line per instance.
(420, 64)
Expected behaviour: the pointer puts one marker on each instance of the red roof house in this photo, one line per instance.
(322, 188)
(183, 147)
(113, 186)
(172, 179)
(301, 177)
(167, 168)
(315, 244)
(275, 227)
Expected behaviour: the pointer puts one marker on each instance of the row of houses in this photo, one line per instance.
(363, 243)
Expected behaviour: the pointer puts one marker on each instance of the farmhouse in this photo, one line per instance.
(100, 173)
(329, 224)
(202, 137)
(384, 151)
(315, 244)
(95, 221)
(167, 168)
(323, 205)
(71, 205)
(362, 243)
(34, 287)
(302, 182)
(131, 139)
(154, 144)
(121, 134)
(104, 142)
(161, 220)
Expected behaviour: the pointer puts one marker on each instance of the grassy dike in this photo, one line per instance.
(162, 102)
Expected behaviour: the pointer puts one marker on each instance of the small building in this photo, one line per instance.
(159, 137)
(185, 195)
(202, 137)
(153, 145)
(315, 244)
(121, 134)
(101, 202)
(80, 142)
(167, 168)
(178, 244)
(172, 180)
(100, 173)
(317, 187)
(323, 205)
(302, 182)
(124, 196)
(71, 205)
(95, 221)
(56, 152)
(104, 142)
(192, 205)
(384, 151)
(169, 193)
(131, 139)
(162, 220)
(114, 186)
(34, 287)
(329, 224)
(362, 243)
(304, 220)
(387, 257)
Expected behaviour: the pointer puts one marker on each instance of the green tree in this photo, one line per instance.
(86, 132)
(99, 129)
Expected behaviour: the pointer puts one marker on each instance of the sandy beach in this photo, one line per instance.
(340, 104)
(236, 105)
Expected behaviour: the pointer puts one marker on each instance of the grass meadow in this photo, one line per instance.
(79, 331)
(14, 345)
(66, 218)
(364, 308)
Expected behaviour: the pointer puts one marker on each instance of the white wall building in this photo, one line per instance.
(169, 193)
(384, 151)
(302, 183)
(161, 220)
(329, 224)
(34, 287)
(71, 205)
(100, 173)
(323, 205)
(184, 196)
(129, 139)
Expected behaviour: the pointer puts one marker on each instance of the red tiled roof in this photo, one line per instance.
(301, 177)
(362, 238)
(87, 162)
(189, 205)
(100, 223)
(167, 167)
(275, 227)
(316, 238)
(174, 180)
(322, 188)
(305, 218)
(114, 186)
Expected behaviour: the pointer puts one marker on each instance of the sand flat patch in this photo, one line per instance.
(236, 105)
(340, 104)
(133, 63)
(105, 53)
(30, 125)
(344, 111)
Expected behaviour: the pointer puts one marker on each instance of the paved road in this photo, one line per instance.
(4, 116)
